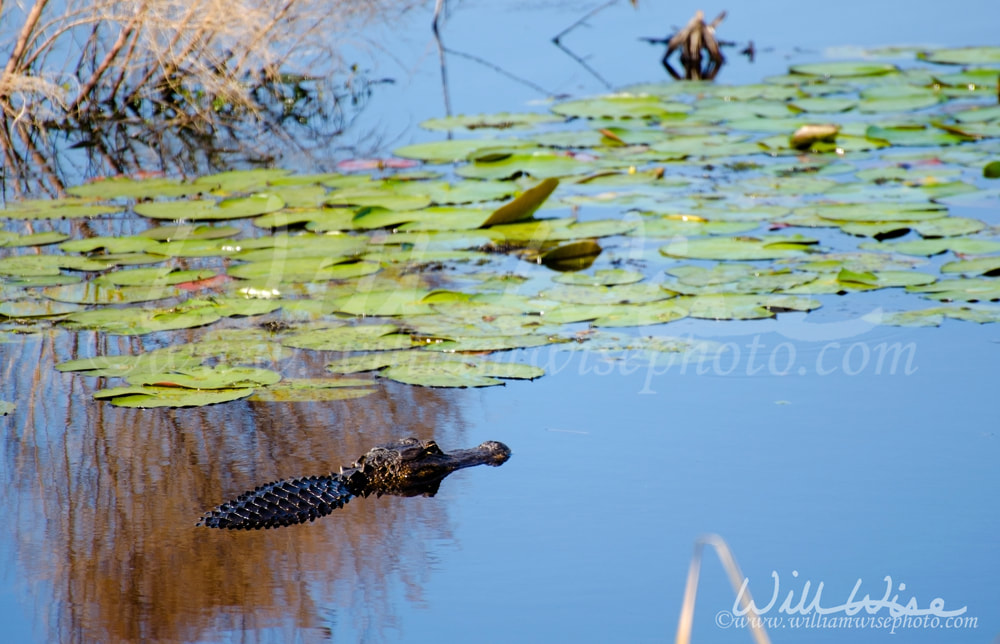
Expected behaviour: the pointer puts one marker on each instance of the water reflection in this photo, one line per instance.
(102, 504)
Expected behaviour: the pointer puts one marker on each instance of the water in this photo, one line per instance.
(813, 460)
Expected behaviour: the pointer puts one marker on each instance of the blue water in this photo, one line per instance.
(811, 459)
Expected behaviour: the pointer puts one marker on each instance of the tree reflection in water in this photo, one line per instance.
(102, 504)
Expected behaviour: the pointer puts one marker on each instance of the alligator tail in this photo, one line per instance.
(281, 503)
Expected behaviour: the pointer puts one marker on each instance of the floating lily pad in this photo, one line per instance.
(844, 69)
(129, 188)
(314, 390)
(602, 277)
(987, 266)
(57, 209)
(96, 292)
(35, 308)
(961, 290)
(149, 397)
(501, 121)
(370, 337)
(738, 248)
(963, 55)
(622, 106)
(181, 232)
(202, 377)
(201, 209)
(139, 321)
(34, 239)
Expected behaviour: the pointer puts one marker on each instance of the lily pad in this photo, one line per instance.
(844, 69)
(963, 55)
(150, 397)
(370, 337)
(201, 209)
(738, 248)
(622, 106)
(202, 377)
(500, 121)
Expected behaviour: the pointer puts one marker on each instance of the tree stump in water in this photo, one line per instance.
(691, 40)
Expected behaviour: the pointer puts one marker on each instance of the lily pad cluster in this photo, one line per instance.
(660, 202)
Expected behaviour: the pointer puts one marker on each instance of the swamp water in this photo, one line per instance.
(825, 434)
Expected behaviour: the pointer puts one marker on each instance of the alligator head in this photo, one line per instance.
(409, 467)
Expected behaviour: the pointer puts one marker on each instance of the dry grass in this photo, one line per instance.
(78, 56)
(201, 68)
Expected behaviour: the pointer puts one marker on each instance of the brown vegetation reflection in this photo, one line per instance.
(94, 88)
(102, 503)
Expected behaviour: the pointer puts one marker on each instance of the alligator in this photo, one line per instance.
(409, 467)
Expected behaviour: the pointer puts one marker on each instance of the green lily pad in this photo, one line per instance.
(370, 337)
(844, 69)
(34, 239)
(140, 321)
(987, 266)
(109, 245)
(241, 180)
(96, 292)
(201, 209)
(182, 232)
(122, 366)
(622, 106)
(963, 55)
(129, 188)
(150, 397)
(314, 390)
(972, 289)
(450, 150)
(929, 247)
(35, 308)
(727, 306)
(454, 373)
(56, 209)
(202, 377)
(738, 248)
(500, 121)
(602, 277)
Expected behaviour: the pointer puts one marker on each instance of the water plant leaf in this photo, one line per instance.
(602, 277)
(368, 337)
(33, 239)
(987, 266)
(963, 55)
(140, 321)
(738, 248)
(204, 377)
(499, 121)
(972, 289)
(241, 180)
(622, 106)
(992, 170)
(314, 390)
(201, 209)
(145, 397)
(129, 188)
(109, 245)
(180, 232)
(844, 69)
(96, 292)
(451, 150)
(936, 246)
(524, 206)
(57, 209)
(35, 308)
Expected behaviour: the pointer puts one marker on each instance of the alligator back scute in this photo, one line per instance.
(280, 503)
